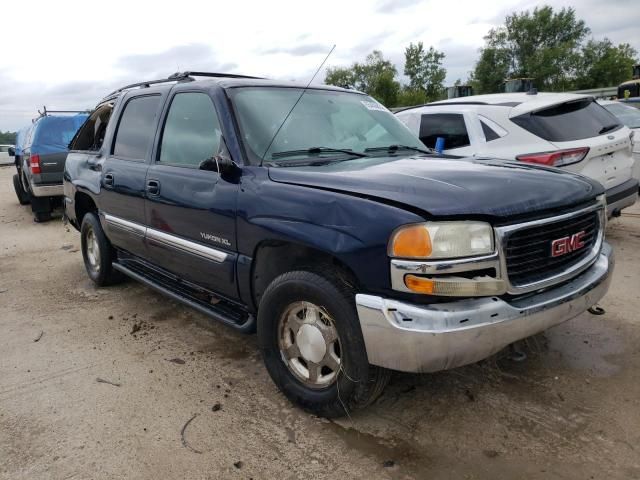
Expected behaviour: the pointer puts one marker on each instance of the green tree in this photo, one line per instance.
(410, 96)
(543, 44)
(425, 70)
(7, 138)
(491, 70)
(340, 77)
(603, 64)
(376, 76)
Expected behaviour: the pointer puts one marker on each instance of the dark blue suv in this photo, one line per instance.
(314, 216)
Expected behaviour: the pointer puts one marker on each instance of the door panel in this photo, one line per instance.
(191, 212)
(192, 226)
(122, 200)
(124, 171)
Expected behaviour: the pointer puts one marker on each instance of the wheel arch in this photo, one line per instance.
(83, 204)
(272, 258)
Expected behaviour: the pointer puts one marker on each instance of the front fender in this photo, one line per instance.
(352, 229)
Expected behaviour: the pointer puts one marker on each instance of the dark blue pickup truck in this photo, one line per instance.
(314, 216)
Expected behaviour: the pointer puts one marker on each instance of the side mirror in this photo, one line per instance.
(218, 163)
(12, 152)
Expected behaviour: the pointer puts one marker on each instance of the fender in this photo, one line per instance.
(352, 229)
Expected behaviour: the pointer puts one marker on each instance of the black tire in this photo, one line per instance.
(23, 196)
(41, 217)
(357, 383)
(100, 269)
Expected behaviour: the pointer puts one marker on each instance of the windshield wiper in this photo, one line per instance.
(608, 128)
(395, 148)
(316, 151)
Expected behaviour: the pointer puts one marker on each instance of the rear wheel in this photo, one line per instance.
(23, 196)
(312, 345)
(41, 208)
(97, 252)
(40, 217)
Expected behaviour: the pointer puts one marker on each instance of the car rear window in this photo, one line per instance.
(575, 120)
(449, 126)
(53, 134)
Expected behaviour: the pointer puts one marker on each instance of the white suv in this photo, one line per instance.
(561, 130)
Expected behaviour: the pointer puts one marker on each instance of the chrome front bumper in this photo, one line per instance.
(428, 338)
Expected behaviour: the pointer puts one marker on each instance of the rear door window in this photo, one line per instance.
(191, 131)
(450, 126)
(136, 128)
(575, 120)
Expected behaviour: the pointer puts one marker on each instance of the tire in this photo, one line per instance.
(336, 391)
(97, 252)
(41, 217)
(23, 196)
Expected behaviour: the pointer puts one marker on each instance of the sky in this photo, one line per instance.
(68, 54)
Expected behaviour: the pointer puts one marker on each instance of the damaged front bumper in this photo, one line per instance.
(429, 338)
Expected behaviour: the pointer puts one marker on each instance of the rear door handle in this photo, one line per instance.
(108, 179)
(153, 187)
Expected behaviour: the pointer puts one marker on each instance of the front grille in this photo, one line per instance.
(528, 251)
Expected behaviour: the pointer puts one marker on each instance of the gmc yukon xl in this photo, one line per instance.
(314, 216)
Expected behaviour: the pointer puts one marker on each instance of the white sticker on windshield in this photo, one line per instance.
(373, 106)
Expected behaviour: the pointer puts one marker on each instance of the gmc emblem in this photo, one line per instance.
(562, 246)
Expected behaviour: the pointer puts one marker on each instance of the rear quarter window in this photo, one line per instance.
(91, 135)
(575, 120)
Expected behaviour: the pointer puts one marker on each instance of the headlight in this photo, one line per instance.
(442, 240)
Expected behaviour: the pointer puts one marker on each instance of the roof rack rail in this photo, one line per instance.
(46, 112)
(179, 77)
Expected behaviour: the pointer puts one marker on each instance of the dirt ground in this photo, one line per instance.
(571, 410)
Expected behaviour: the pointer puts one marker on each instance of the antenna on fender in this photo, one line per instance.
(295, 104)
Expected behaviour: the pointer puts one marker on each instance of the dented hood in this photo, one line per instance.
(449, 187)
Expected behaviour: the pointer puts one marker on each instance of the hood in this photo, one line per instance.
(449, 187)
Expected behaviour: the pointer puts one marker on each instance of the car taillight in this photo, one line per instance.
(34, 164)
(558, 158)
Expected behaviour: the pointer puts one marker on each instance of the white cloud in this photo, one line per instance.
(70, 53)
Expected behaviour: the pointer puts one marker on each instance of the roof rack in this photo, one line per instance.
(180, 77)
(46, 112)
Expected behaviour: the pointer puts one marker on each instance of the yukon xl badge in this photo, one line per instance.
(215, 238)
(564, 245)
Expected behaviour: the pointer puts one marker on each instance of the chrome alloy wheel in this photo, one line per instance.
(309, 344)
(93, 250)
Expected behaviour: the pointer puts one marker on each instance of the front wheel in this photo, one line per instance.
(312, 344)
(97, 252)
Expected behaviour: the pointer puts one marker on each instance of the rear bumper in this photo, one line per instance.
(621, 196)
(429, 338)
(55, 190)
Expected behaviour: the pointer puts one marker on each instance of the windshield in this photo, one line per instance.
(628, 115)
(324, 121)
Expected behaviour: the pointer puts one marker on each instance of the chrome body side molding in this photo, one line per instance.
(167, 239)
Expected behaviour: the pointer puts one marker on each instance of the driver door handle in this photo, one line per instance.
(153, 187)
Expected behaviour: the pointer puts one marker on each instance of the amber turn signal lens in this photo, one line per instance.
(412, 242)
(418, 284)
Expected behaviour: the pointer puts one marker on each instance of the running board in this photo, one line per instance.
(223, 311)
